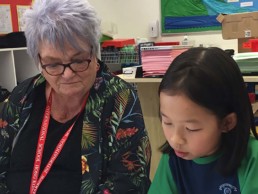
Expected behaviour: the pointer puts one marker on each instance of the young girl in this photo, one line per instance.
(206, 118)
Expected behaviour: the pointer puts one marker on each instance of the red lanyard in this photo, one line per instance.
(35, 179)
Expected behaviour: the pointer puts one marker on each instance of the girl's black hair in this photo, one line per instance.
(212, 79)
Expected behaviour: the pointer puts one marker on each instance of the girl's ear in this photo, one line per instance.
(229, 122)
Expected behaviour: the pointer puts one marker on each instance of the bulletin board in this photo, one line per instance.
(180, 16)
(16, 9)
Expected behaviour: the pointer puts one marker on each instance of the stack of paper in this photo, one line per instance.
(247, 62)
(156, 59)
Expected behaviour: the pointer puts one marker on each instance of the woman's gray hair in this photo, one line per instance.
(61, 22)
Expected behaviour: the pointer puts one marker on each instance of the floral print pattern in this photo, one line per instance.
(85, 166)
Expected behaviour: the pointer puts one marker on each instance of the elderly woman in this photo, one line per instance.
(75, 128)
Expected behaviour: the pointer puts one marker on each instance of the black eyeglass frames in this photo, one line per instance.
(56, 69)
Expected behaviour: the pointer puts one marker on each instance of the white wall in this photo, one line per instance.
(131, 18)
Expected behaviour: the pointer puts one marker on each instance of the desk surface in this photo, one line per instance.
(139, 80)
(250, 78)
(155, 80)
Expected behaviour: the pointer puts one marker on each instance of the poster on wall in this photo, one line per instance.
(5, 19)
(179, 16)
(20, 11)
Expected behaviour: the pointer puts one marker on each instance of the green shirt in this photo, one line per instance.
(163, 182)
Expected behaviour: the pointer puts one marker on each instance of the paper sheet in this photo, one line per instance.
(5, 19)
(20, 11)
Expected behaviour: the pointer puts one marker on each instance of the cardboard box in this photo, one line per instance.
(240, 25)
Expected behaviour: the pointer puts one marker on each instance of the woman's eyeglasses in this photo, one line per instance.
(56, 69)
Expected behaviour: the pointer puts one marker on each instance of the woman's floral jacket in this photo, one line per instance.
(115, 148)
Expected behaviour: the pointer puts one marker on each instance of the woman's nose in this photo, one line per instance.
(68, 72)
